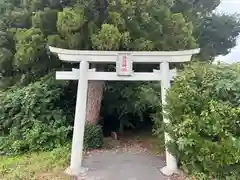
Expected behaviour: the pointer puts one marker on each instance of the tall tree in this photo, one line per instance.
(27, 27)
(215, 33)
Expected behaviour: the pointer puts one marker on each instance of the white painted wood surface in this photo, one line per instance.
(112, 76)
(171, 162)
(79, 121)
(111, 56)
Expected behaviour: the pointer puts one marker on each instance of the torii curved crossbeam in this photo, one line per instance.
(110, 56)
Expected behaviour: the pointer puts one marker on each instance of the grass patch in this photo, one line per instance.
(35, 166)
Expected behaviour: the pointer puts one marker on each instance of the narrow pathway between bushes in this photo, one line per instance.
(127, 159)
(120, 165)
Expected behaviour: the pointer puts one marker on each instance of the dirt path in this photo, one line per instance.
(127, 160)
(123, 165)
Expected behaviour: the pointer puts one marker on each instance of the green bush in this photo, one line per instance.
(30, 118)
(93, 136)
(37, 117)
(203, 107)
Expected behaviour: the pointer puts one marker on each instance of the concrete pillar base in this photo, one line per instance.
(169, 171)
(78, 173)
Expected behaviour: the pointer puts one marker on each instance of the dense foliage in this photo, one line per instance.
(203, 107)
(123, 113)
(93, 136)
(28, 26)
(31, 116)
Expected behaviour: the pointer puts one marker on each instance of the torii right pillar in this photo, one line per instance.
(171, 162)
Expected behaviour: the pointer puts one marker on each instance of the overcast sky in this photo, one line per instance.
(231, 6)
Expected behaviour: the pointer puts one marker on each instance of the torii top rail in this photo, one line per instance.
(137, 56)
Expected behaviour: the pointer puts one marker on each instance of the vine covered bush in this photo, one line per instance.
(203, 107)
(37, 117)
(30, 118)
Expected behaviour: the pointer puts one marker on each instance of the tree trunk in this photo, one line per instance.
(95, 93)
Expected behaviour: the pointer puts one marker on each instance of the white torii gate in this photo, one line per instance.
(123, 72)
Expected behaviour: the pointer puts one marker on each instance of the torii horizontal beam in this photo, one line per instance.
(136, 56)
(112, 76)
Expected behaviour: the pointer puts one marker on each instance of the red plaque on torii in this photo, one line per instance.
(124, 65)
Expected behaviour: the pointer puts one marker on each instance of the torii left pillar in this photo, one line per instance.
(76, 168)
